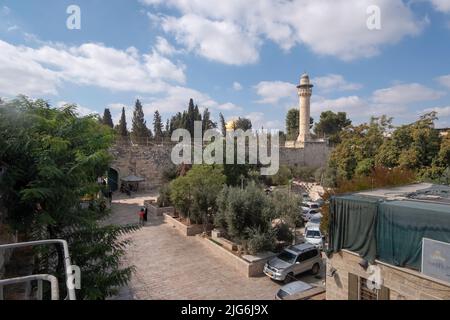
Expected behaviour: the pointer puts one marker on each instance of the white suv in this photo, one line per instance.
(314, 236)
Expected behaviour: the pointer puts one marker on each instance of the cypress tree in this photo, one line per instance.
(122, 127)
(157, 125)
(107, 118)
(223, 124)
(139, 129)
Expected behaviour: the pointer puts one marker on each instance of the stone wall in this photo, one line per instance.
(148, 162)
(247, 265)
(151, 161)
(403, 284)
(313, 154)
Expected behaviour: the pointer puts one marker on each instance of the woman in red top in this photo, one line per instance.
(141, 217)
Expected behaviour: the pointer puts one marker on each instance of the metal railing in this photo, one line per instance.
(36, 277)
(67, 265)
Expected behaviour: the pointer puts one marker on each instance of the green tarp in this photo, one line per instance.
(390, 231)
(403, 224)
(353, 225)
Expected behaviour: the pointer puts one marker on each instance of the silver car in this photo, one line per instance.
(293, 261)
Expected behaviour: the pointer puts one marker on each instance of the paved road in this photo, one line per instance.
(172, 266)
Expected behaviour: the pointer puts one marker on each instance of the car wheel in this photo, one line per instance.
(315, 269)
(289, 277)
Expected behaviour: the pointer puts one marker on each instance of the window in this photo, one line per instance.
(358, 290)
(287, 256)
(307, 255)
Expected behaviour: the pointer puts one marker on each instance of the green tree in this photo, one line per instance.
(242, 210)
(54, 158)
(243, 124)
(122, 126)
(205, 184)
(222, 124)
(282, 177)
(107, 119)
(292, 123)
(157, 125)
(194, 194)
(207, 123)
(139, 130)
(286, 206)
(330, 124)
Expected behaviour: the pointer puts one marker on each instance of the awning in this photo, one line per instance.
(132, 178)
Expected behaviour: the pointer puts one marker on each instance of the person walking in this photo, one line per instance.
(145, 214)
(141, 217)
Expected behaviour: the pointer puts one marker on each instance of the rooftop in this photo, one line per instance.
(426, 192)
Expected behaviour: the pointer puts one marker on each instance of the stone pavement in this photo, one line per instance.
(171, 266)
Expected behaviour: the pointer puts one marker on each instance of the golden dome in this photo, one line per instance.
(230, 125)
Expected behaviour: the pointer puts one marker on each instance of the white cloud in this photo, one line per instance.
(160, 67)
(232, 31)
(12, 28)
(405, 93)
(177, 98)
(5, 11)
(164, 47)
(41, 71)
(441, 111)
(259, 121)
(444, 80)
(350, 104)
(334, 82)
(441, 5)
(237, 86)
(220, 41)
(271, 92)
(21, 75)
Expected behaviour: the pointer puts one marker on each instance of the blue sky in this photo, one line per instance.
(241, 58)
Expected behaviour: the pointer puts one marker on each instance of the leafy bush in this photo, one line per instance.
(164, 197)
(282, 177)
(195, 194)
(284, 233)
(304, 173)
(169, 173)
(260, 240)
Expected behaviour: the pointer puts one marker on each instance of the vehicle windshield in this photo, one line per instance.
(315, 220)
(313, 234)
(287, 256)
(314, 206)
(282, 294)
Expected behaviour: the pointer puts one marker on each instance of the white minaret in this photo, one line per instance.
(304, 93)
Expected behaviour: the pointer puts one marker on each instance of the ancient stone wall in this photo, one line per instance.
(311, 155)
(150, 162)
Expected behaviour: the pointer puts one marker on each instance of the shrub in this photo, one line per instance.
(282, 177)
(284, 233)
(164, 197)
(260, 240)
(304, 173)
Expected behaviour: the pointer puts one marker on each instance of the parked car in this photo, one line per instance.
(314, 236)
(308, 205)
(306, 197)
(307, 215)
(293, 261)
(299, 290)
(314, 221)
